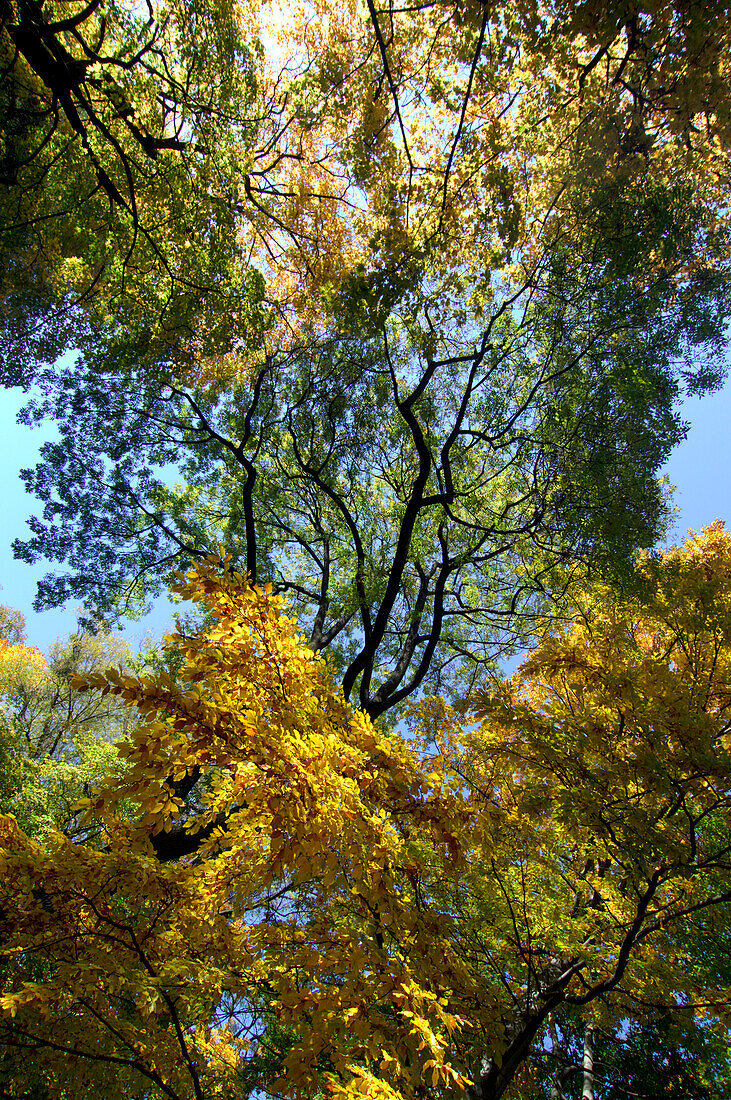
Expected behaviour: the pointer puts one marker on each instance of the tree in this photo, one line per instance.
(654, 1059)
(644, 821)
(413, 508)
(490, 246)
(457, 375)
(123, 127)
(504, 132)
(402, 927)
(500, 133)
(12, 626)
(56, 744)
(306, 786)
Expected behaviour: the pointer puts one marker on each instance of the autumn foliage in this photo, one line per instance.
(292, 788)
(286, 898)
(377, 314)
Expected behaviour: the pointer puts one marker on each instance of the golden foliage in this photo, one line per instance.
(273, 864)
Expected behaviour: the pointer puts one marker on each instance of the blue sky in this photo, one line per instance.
(19, 448)
(699, 468)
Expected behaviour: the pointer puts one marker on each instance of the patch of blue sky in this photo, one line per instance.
(20, 447)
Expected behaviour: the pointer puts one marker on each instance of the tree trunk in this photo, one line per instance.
(587, 1092)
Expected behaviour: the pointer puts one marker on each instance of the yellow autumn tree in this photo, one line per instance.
(288, 899)
(603, 884)
(255, 789)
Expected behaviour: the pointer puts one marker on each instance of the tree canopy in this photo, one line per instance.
(365, 327)
(285, 899)
(54, 743)
(468, 260)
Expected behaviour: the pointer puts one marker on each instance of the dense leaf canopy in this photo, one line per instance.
(454, 265)
(374, 322)
(283, 898)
